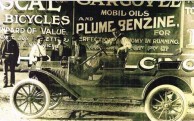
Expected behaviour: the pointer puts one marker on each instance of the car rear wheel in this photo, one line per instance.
(55, 100)
(166, 102)
(30, 98)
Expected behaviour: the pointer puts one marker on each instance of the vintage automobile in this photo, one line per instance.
(159, 83)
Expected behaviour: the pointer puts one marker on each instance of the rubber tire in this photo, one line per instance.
(35, 82)
(51, 107)
(161, 87)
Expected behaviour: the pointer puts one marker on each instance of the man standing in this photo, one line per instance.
(119, 42)
(61, 50)
(78, 49)
(9, 55)
(38, 51)
(120, 45)
(79, 54)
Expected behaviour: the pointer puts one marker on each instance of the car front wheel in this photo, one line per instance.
(166, 103)
(30, 98)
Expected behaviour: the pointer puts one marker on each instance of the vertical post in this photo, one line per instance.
(73, 30)
(73, 24)
(68, 69)
(182, 24)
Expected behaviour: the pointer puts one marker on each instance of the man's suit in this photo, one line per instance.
(80, 52)
(9, 55)
(60, 52)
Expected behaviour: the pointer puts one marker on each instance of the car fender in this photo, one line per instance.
(63, 83)
(167, 79)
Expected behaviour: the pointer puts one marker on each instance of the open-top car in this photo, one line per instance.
(158, 83)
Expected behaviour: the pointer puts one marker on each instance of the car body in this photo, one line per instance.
(159, 83)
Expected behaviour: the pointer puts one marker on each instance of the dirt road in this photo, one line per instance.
(62, 114)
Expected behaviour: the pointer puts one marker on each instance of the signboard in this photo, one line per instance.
(152, 26)
(27, 19)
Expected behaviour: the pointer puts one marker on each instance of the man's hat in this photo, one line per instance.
(40, 36)
(115, 26)
(75, 37)
(8, 33)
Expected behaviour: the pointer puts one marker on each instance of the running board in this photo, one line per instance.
(102, 107)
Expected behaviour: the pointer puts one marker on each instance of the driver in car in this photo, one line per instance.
(120, 45)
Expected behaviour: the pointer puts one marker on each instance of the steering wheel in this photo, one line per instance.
(102, 47)
(104, 52)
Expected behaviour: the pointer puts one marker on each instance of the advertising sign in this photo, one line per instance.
(152, 26)
(27, 19)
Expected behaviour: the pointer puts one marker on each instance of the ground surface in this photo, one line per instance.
(71, 111)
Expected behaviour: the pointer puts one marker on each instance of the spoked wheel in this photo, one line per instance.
(30, 98)
(166, 103)
(55, 100)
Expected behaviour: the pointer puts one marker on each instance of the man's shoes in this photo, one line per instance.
(5, 86)
(11, 85)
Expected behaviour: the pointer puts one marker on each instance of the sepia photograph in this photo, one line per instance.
(96, 60)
